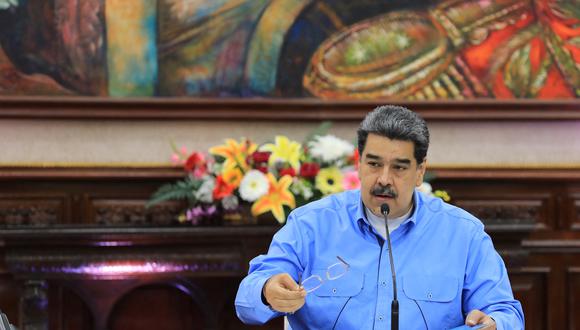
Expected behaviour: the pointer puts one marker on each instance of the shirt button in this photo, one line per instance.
(380, 318)
(384, 283)
(333, 290)
(430, 295)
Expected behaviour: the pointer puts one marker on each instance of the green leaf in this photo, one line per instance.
(177, 191)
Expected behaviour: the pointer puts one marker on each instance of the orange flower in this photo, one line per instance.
(278, 195)
(232, 176)
(222, 188)
(235, 153)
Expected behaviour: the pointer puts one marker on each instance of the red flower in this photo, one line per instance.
(309, 170)
(355, 158)
(259, 157)
(263, 169)
(196, 164)
(288, 171)
(222, 188)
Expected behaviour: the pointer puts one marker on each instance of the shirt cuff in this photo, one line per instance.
(260, 304)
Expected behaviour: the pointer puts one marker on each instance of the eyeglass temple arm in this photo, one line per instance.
(342, 260)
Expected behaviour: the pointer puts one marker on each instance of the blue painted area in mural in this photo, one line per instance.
(150, 57)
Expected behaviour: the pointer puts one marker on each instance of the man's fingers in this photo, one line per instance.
(474, 317)
(283, 293)
(478, 317)
(288, 282)
(284, 287)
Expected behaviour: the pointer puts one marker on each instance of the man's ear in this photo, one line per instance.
(421, 168)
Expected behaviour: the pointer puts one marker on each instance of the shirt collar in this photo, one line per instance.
(362, 220)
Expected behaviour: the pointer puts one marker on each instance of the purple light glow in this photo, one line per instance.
(128, 268)
(136, 268)
(133, 268)
(113, 243)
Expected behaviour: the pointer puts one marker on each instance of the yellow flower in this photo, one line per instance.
(442, 194)
(235, 153)
(284, 150)
(232, 175)
(329, 180)
(278, 195)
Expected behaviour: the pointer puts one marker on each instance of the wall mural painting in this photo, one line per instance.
(334, 49)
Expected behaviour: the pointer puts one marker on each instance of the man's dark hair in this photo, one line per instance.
(396, 123)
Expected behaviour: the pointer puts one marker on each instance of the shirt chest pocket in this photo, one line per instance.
(348, 285)
(435, 288)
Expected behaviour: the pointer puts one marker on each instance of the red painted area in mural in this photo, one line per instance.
(501, 49)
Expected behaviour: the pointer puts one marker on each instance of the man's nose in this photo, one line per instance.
(385, 177)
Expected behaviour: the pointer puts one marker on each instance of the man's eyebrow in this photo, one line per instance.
(403, 161)
(373, 156)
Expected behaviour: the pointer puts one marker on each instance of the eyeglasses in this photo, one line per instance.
(333, 272)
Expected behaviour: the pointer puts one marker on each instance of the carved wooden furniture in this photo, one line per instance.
(186, 276)
(79, 251)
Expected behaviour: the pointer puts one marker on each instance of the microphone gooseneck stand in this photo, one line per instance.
(385, 209)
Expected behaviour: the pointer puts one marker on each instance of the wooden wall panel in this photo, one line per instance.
(573, 220)
(529, 286)
(10, 293)
(19, 209)
(68, 311)
(159, 307)
(573, 297)
(122, 211)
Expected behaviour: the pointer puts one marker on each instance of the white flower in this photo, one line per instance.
(329, 148)
(5, 4)
(299, 187)
(230, 202)
(254, 185)
(205, 192)
(425, 188)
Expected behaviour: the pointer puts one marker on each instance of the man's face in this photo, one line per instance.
(389, 173)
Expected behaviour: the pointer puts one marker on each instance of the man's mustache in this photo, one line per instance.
(384, 191)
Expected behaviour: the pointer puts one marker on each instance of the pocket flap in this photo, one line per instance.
(350, 284)
(431, 288)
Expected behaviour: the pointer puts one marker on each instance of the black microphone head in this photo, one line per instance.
(385, 209)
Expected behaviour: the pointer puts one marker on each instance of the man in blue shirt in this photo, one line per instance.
(448, 272)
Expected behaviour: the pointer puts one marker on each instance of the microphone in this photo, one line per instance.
(385, 209)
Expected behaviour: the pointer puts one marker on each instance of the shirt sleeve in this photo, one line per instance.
(487, 286)
(284, 255)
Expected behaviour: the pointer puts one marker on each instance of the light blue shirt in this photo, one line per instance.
(445, 264)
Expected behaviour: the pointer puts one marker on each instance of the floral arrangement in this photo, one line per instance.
(427, 189)
(271, 178)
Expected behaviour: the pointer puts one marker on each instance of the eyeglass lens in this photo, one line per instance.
(333, 272)
(312, 283)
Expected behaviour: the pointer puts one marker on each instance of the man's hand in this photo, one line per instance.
(283, 294)
(478, 317)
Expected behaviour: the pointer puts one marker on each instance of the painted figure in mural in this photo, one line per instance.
(50, 48)
(329, 266)
(334, 49)
(457, 49)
